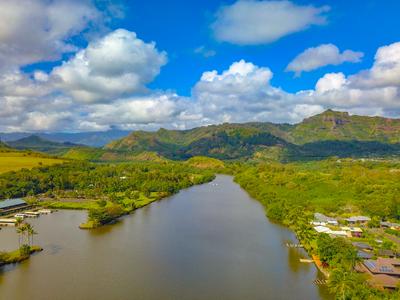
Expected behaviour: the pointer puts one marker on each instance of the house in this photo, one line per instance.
(316, 223)
(336, 233)
(352, 231)
(384, 281)
(383, 272)
(364, 255)
(386, 252)
(358, 219)
(11, 205)
(362, 246)
(390, 225)
(388, 266)
(318, 217)
(322, 229)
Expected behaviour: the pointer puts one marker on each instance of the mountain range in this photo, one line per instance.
(330, 133)
(93, 138)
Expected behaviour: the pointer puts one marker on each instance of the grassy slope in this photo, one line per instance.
(14, 161)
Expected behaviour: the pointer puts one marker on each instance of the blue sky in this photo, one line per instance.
(179, 27)
(82, 65)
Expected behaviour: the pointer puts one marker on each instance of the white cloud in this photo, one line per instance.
(241, 93)
(202, 50)
(115, 65)
(384, 72)
(375, 91)
(320, 56)
(130, 112)
(251, 22)
(38, 30)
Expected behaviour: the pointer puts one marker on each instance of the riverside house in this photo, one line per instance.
(10, 206)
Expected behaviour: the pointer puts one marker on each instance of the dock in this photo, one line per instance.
(8, 222)
(290, 245)
(306, 260)
(320, 281)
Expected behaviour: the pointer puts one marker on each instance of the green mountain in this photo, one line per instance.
(327, 134)
(40, 144)
(340, 126)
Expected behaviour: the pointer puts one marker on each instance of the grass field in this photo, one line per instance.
(14, 161)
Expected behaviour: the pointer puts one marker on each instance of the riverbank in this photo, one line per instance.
(107, 210)
(17, 256)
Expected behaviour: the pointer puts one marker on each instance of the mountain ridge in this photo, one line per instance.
(326, 134)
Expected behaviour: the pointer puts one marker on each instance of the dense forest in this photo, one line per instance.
(106, 190)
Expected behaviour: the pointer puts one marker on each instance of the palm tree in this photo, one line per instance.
(342, 283)
(20, 232)
(31, 232)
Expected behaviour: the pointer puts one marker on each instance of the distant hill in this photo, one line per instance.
(340, 126)
(94, 139)
(39, 144)
(3, 147)
(327, 134)
(226, 141)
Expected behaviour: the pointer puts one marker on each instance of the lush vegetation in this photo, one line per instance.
(291, 194)
(107, 191)
(335, 186)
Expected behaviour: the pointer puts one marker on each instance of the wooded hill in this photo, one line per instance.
(327, 134)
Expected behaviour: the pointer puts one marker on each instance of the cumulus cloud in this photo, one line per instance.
(251, 22)
(117, 64)
(320, 56)
(375, 91)
(129, 112)
(384, 72)
(240, 93)
(38, 30)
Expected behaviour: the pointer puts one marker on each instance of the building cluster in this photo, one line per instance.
(381, 266)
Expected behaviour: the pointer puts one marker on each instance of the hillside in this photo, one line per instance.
(340, 126)
(226, 141)
(327, 134)
(40, 144)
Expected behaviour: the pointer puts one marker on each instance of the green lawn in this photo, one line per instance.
(14, 161)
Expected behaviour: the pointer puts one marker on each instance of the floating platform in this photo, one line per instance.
(289, 245)
(320, 281)
(306, 260)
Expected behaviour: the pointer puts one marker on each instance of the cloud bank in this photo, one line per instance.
(104, 83)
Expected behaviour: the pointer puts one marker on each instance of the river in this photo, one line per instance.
(210, 241)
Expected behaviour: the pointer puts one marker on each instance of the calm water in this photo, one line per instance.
(207, 242)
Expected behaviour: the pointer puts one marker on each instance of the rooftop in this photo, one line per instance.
(322, 218)
(358, 219)
(381, 265)
(11, 202)
(361, 245)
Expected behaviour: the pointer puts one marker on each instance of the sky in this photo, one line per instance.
(93, 65)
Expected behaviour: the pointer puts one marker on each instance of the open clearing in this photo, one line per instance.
(14, 161)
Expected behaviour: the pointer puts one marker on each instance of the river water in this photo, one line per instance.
(208, 242)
